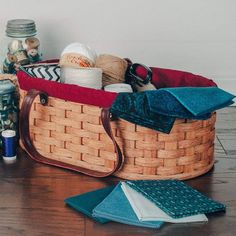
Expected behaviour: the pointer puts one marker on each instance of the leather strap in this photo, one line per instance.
(105, 117)
(34, 154)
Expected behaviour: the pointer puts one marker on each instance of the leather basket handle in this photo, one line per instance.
(34, 154)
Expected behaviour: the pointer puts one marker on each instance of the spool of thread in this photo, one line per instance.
(118, 88)
(78, 55)
(9, 145)
(86, 77)
(15, 46)
(114, 69)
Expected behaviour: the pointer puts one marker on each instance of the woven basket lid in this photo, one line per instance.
(21, 28)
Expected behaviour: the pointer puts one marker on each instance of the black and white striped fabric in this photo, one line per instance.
(50, 71)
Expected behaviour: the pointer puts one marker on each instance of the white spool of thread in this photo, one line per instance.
(118, 88)
(85, 77)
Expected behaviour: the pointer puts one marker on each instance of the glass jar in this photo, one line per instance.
(8, 106)
(22, 45)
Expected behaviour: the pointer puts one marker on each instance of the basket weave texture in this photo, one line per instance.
(72, 133)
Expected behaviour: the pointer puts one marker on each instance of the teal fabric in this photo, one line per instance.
(117, 208)
(134, 108)
(157, 109)
(86, 202)
(162, 102)
(176, 198)
(200, 101)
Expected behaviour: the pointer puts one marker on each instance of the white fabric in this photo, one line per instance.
(148, 211)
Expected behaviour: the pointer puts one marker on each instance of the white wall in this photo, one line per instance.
(192, 35)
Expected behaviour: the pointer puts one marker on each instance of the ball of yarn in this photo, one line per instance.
(78, 55)
(113, 68)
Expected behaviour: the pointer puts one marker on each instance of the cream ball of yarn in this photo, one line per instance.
(78, 54)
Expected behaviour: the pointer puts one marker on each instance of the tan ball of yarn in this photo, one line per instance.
(113, 68)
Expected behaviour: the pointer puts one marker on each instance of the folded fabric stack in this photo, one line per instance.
(146, 203)
(179, 94)
(158, 109)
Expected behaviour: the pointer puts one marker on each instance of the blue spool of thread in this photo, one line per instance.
(9, 145)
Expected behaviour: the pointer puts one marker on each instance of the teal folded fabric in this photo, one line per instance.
(202, 100)
(86, 202)
(176, 198)
(117, 208)
(133, 107)
(158, 109)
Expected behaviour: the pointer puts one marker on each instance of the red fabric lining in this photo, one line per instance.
(164, 78)
(161, 78)
(68, 92)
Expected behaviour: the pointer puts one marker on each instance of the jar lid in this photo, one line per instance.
(20, 28)
(6, 86)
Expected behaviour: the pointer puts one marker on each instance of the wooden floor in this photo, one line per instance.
(32, 194)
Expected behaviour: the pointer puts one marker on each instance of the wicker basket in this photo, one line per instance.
(72, 133)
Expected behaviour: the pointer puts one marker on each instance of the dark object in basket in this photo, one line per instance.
(134, 80)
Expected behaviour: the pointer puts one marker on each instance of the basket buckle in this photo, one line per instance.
(43, 99)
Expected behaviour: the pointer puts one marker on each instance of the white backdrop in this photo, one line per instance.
(191, 35)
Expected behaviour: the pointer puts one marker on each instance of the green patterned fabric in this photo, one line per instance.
(176, 198)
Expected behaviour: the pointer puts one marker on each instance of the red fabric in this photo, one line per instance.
(163, 78)
(68, 92)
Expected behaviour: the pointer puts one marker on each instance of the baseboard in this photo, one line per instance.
(228, 85)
